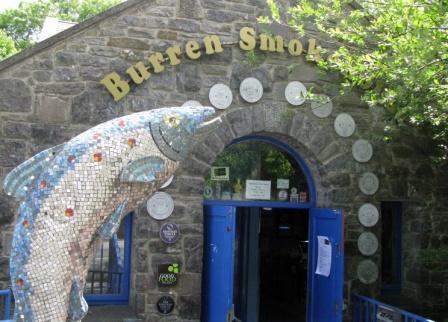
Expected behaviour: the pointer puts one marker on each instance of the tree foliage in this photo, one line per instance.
(395, 50)
(23, 23)
(7, 47)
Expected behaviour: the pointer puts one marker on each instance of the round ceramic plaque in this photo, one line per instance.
(368, 215)
(191, 103)
(165, 305)
(167, 183)
(220, 96)
(321, 106)
(369, 183)
(367, 243)
(295, 93)
(362, 150)
(251, 90)
(160, 206)
(367, 271)
(344, 125)
(169, 233)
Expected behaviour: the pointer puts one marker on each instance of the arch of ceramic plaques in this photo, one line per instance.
(367, 243)
(368, 215)
(362, 150)
(321, 105)
(367, 271)
(369, 183)
(191, 103)
(160, 206)
(295, 93)
(220, 96)
(344, 125)
(251, 90)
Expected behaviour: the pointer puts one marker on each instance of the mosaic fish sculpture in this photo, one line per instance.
(77, 192)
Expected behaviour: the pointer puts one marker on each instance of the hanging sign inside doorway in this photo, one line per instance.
(258, 189)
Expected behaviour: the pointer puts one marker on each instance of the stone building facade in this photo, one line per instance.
(52, 92)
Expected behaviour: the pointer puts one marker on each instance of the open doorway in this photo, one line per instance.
(271, 263)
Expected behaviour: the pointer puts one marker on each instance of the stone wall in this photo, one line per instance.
(54, 94)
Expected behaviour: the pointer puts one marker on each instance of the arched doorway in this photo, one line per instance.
(268, 252)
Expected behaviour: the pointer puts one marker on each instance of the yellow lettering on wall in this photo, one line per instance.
(247, 36)
(173, 55)
(116, 86)
(295, 47)
(138, 73)
(192, 49)
(156, 61)
(268, 43)
(313, 50)
(212, 45)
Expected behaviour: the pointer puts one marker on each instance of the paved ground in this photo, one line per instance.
(110, 313)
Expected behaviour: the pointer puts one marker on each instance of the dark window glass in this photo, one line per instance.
(391, 213)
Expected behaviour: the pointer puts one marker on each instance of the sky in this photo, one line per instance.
(8, 4)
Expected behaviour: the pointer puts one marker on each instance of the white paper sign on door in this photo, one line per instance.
(323, 256)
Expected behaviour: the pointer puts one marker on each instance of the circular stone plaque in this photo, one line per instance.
(367, 271)
(169, 233)
(369, 183)
(367, 243)
(160, 206)
(165, 305)
(251, 90)
(321, 106)
(191, 103)
(344, 125)
(362, 150)
(295, 93)
(368, 215)
(220, 96)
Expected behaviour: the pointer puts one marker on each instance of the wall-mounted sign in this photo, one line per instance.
(167, 274)
(169, 233)
(165, 305)
(160, 206)
(219, 173)
(211, 44)
(258, 189)
(251, 90)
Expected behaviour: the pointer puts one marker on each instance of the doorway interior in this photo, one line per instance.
(271, 264)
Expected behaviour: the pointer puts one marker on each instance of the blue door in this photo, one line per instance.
(325, 293)
(219, 241)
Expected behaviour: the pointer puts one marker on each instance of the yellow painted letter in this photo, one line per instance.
(268, 43)
(192, 49)
(313, 50)
(295, 47)
(173, 54)
(247, 36)
(212, 45)
(156, 61)
(138, 73)
(116, 86)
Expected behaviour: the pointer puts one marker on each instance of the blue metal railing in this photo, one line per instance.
(6, 294)
(369, 310)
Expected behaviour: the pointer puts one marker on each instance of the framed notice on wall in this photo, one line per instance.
(258, 189)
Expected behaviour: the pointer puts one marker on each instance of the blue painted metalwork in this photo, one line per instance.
(6, 294)
(123, 296)
(365, 310)
(325, 294)
(217, 286)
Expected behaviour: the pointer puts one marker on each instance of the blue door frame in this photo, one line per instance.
(219, 240)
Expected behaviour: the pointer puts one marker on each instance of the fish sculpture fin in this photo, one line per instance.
(145, 169)
(19, 181)
(112, 223)
(78, 306)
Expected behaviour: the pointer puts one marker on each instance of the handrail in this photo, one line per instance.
(7, 303)
(369, 310)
